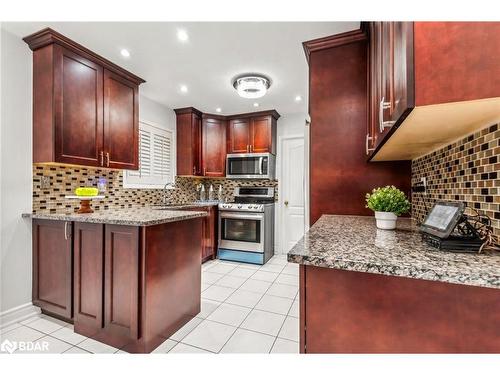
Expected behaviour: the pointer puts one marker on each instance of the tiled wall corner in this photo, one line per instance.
(65, 179)
(467, 170)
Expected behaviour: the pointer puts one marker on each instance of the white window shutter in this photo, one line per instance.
(155, 158)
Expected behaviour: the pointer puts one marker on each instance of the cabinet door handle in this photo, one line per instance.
(107, 159)
(383, 124)
(194, 170)
(66, 235)
(368, 139)
(204, 171)
(102, 158)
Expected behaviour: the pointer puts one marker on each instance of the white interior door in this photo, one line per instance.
(292, 192)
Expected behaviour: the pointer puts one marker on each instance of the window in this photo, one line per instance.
(155, 159)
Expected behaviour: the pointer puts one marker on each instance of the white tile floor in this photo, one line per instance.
(244, 309)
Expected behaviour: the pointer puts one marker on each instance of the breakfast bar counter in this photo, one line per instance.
(364, 290)
(137, 216)
(354, 243)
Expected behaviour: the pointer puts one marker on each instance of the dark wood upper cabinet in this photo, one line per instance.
(263, 134)
(429, 84)
(189, 142)
(85, 108)
(214, 146)
(52, 267)
(121, 122)
(239, 136)
(252, 132)
(78, 105)
(204, 140)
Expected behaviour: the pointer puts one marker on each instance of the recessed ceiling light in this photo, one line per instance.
(255, 104)
(251, 86)
(182, 35)
(125, 53)
(218, 110)
(298, 98)
(184, 88)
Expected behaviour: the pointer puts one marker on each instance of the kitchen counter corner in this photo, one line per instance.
(353, 243)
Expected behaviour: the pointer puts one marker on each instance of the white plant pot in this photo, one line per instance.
(386, 220)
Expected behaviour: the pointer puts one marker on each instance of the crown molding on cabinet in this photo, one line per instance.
(333, 41)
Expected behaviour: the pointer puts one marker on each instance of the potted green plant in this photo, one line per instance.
(388, 203)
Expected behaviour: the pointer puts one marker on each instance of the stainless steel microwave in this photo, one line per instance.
(251, 166)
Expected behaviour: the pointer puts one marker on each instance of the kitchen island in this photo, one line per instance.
(364, 290)
(129, 278)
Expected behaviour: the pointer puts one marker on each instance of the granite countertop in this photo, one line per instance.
(140, 216)
(354, 243)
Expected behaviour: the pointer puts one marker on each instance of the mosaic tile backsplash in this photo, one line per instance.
(467, 171)
(63, 180)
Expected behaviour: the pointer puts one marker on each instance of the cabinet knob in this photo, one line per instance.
(286, 203)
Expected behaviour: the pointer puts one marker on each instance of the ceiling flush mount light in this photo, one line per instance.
(251, 86)
(182, 35)
(218, 110)
(255, 104)
(184, 88)
(298, 98)
(125, 53)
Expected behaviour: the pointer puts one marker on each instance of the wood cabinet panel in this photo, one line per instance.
(121, 122)
(209, 228)
(52, 265)
(121, 289)
(88, 274)
(262, 137)
(78, 105)
(189, 142)
(239, 136)
(368, 312)
(214, 147)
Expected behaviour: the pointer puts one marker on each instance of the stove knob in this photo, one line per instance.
(240, 206)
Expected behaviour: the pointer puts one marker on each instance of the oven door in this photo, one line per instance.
(249, 166)
(242, 231)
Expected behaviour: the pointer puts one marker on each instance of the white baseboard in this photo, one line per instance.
(17, 314)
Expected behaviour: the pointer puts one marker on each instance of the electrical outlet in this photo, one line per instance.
(45, 182)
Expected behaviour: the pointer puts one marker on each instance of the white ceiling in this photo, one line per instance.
(215, 53)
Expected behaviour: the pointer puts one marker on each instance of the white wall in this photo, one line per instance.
(15, 170)
(288, 125)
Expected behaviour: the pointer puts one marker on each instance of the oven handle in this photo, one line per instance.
(224, 215)
(261, 162)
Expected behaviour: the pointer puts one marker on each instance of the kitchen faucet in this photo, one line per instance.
(166, 199)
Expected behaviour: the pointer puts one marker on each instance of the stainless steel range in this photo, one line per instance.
(246, 227)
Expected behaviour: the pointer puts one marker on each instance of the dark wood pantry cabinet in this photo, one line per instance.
(85, 108)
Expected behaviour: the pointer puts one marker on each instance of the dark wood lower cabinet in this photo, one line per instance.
(357, 312)
(209, 229)
(121, 281)
(136, 286)
(52, 267)
(88, 275)
(131, 287)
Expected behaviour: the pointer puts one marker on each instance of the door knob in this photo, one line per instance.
(286, 203)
